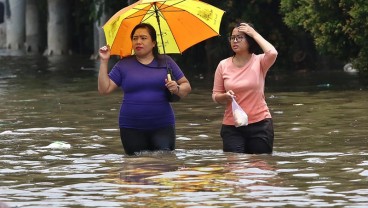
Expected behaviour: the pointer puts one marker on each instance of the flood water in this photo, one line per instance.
(60, 144)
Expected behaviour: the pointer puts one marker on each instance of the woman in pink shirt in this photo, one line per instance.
(242, 76)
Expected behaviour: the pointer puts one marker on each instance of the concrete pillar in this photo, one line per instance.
(15, 23)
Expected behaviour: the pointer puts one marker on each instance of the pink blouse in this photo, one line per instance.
(247, 83)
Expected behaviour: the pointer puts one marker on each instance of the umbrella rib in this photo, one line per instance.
(162, 7)
(168, 6)
(148, 16)
(141, 15)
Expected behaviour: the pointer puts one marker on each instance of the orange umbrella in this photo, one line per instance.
(179, 24)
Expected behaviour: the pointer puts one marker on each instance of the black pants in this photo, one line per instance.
(256, 138)
(136, 140)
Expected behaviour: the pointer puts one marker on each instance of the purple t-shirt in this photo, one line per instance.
(144, 105)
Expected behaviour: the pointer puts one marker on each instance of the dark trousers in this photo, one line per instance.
(255, 138)
(137, 140)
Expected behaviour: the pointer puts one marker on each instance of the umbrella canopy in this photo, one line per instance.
(179, 24)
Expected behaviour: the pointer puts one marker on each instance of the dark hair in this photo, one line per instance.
(253, 45)
(151, 31)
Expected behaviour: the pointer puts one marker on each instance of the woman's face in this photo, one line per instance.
(142, 42)
(238, 42)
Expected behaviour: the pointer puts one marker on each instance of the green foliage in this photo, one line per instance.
(339, 27)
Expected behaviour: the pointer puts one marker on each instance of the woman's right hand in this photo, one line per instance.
(229, 95)
(104, 53)
(224, 98)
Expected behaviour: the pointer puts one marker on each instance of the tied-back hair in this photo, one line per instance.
(152, 32)
(253, 45)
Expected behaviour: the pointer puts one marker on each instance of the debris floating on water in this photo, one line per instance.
(324, 85)
(58, 145)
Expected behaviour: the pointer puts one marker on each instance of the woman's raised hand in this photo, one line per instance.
(247, 29)
(104, 52)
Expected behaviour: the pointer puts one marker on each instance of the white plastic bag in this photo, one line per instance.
(240, 117)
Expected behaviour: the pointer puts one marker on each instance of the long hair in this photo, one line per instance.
(253, 45)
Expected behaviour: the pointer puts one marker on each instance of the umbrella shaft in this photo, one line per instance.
(162, 40)
(159, 26)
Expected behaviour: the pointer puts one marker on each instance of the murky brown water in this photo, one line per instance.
(60, 145)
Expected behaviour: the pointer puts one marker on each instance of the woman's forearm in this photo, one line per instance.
(220, 98)
(183, 89)
(103, 78)
(263, 43)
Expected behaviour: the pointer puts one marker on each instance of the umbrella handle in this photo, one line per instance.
(168, 77)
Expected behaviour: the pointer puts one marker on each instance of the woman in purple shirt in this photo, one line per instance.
(146, 118)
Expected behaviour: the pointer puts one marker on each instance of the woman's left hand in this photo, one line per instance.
(172, 86)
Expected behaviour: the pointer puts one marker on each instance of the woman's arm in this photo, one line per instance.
(219, 94)
(268, 49)
(105, 84)
(223, 98)
(263, 43)
(183, 88)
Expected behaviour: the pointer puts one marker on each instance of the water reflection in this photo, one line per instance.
(60, 145)
(196, 177)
